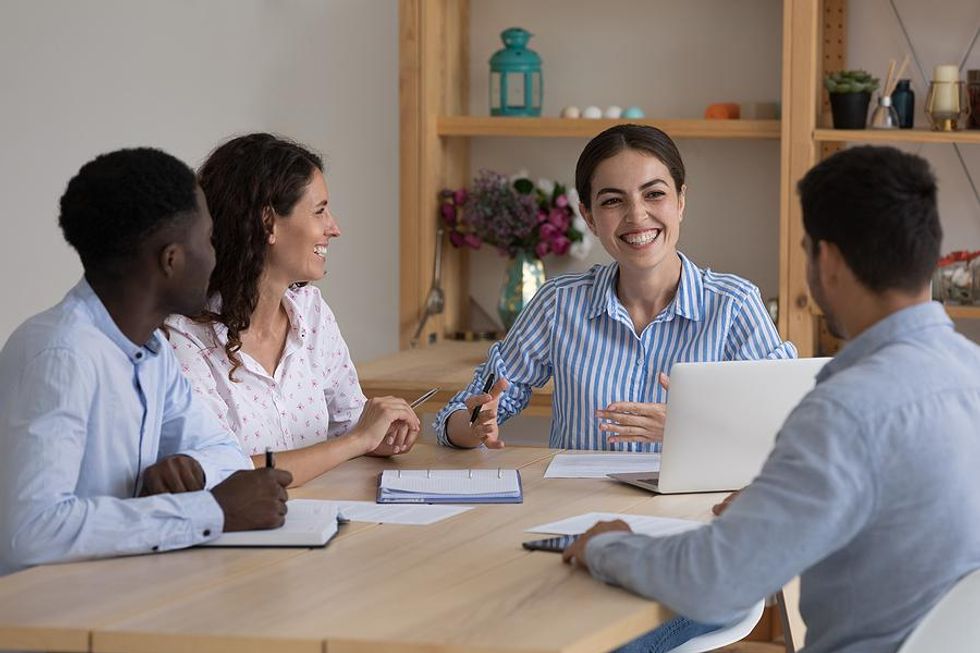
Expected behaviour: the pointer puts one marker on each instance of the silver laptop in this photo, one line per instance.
(722, 420)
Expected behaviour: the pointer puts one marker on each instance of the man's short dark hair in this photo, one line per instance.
(878, 206)
(119, 199)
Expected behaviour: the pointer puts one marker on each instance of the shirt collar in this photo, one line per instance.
(897, 326)
(103, 321)
(298, 326)
(688, 302)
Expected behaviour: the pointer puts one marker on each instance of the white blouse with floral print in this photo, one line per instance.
(314, 394)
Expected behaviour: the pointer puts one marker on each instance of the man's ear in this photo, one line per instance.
(171, 260)
(587, 216)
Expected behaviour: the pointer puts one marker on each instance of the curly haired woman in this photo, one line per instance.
(267, 354)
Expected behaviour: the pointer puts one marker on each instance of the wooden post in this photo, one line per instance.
(433, 81)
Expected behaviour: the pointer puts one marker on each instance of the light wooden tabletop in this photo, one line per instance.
(447, 365)
(463, 584)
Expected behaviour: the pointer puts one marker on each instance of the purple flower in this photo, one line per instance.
(460, 197)
(541, 248)
(448, 213)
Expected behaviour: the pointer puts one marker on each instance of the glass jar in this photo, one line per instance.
(957, 282)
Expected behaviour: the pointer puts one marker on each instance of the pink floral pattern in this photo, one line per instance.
(314, 394)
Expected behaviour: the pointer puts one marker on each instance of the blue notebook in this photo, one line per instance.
(450, 486)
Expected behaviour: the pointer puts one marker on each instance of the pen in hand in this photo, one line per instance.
(270, 459)
(486, 388)
(421, 400)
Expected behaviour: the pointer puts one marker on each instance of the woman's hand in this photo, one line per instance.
(400, 439)
(629, 421)
(575, 552)
(484, 429)
(387, 420)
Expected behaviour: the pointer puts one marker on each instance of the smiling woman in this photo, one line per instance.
(267, 355)
(609, 336)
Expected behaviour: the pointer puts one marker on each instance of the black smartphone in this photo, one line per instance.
(553, 544)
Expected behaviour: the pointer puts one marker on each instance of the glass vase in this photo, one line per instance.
(525, 275)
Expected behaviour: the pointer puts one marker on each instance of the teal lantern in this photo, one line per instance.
(515, 77)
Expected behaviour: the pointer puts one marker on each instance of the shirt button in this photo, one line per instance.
(139, 354)
(207, 532)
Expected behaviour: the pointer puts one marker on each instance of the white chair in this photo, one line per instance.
(952, 625)
(725, 636)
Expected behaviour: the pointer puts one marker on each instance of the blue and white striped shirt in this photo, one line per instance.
(577, 331)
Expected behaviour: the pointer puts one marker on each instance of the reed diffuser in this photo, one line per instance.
(884, 115)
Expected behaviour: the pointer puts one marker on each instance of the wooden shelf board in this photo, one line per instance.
(956, 311)
(587, 128)
(896, 136)
(963, 312)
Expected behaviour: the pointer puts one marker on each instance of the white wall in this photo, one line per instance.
(81, 78)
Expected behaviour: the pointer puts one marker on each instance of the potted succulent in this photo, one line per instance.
(850, 93)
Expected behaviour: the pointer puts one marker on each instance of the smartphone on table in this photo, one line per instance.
(552, 544)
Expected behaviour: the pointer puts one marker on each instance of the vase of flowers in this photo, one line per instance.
(524, 221)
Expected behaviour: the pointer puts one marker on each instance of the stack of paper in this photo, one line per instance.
(450, 486)
(308, 523)
(643, 524)
(411, 515)
(600, 465)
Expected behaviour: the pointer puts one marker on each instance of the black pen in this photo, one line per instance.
(270, 459)
(486, 388)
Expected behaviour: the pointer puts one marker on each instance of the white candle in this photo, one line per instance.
(946, 95)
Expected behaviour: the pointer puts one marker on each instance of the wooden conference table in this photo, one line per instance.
(463, 584)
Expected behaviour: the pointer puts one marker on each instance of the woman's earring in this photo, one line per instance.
(272, 239)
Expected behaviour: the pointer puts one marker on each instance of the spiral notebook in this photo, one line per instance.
(450, 486)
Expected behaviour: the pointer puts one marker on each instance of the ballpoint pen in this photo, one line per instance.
(486, 388)
(270, 459)
(421, 400)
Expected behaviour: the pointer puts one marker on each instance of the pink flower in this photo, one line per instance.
(542, 215)
(561, 201)
(456, 238)
(460, 197)
(541, 248)
(560, 245)
(559, 218)
(471, 240)
(448, 213)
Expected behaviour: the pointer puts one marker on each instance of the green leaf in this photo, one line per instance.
(523, 186)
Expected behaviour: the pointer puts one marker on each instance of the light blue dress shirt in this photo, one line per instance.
(872, 493)
(83, 411)
(576, 331)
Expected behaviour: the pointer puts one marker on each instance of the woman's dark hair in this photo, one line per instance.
(622, 137)
(878, 205)
(242, 180)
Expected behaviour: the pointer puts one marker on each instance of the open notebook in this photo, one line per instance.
(308, 523)
(450, 486)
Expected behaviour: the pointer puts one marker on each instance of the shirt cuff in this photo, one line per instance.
(206, 519)
(597, 554)
(218, 468)
(441, 424)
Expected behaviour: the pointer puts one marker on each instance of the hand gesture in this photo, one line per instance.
(253, 499)
(485, 429)
(172, 475)
(575, 552)
(629, 421)
(388, 420)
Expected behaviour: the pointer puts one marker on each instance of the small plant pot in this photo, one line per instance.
(850, 110)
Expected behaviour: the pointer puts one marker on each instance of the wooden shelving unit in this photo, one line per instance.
(435, 135)
(895, 136)
(447, 126)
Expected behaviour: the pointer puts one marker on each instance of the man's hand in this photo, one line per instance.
(719, 508)
(575, 553)
(255, 499)
(628, 421)
(172, 475)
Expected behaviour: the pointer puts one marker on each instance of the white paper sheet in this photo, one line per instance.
(644, 524)
(598, 465)
(456, 482)
(413, 514)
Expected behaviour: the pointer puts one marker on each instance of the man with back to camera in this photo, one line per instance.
(105, 450)
(871, 491)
